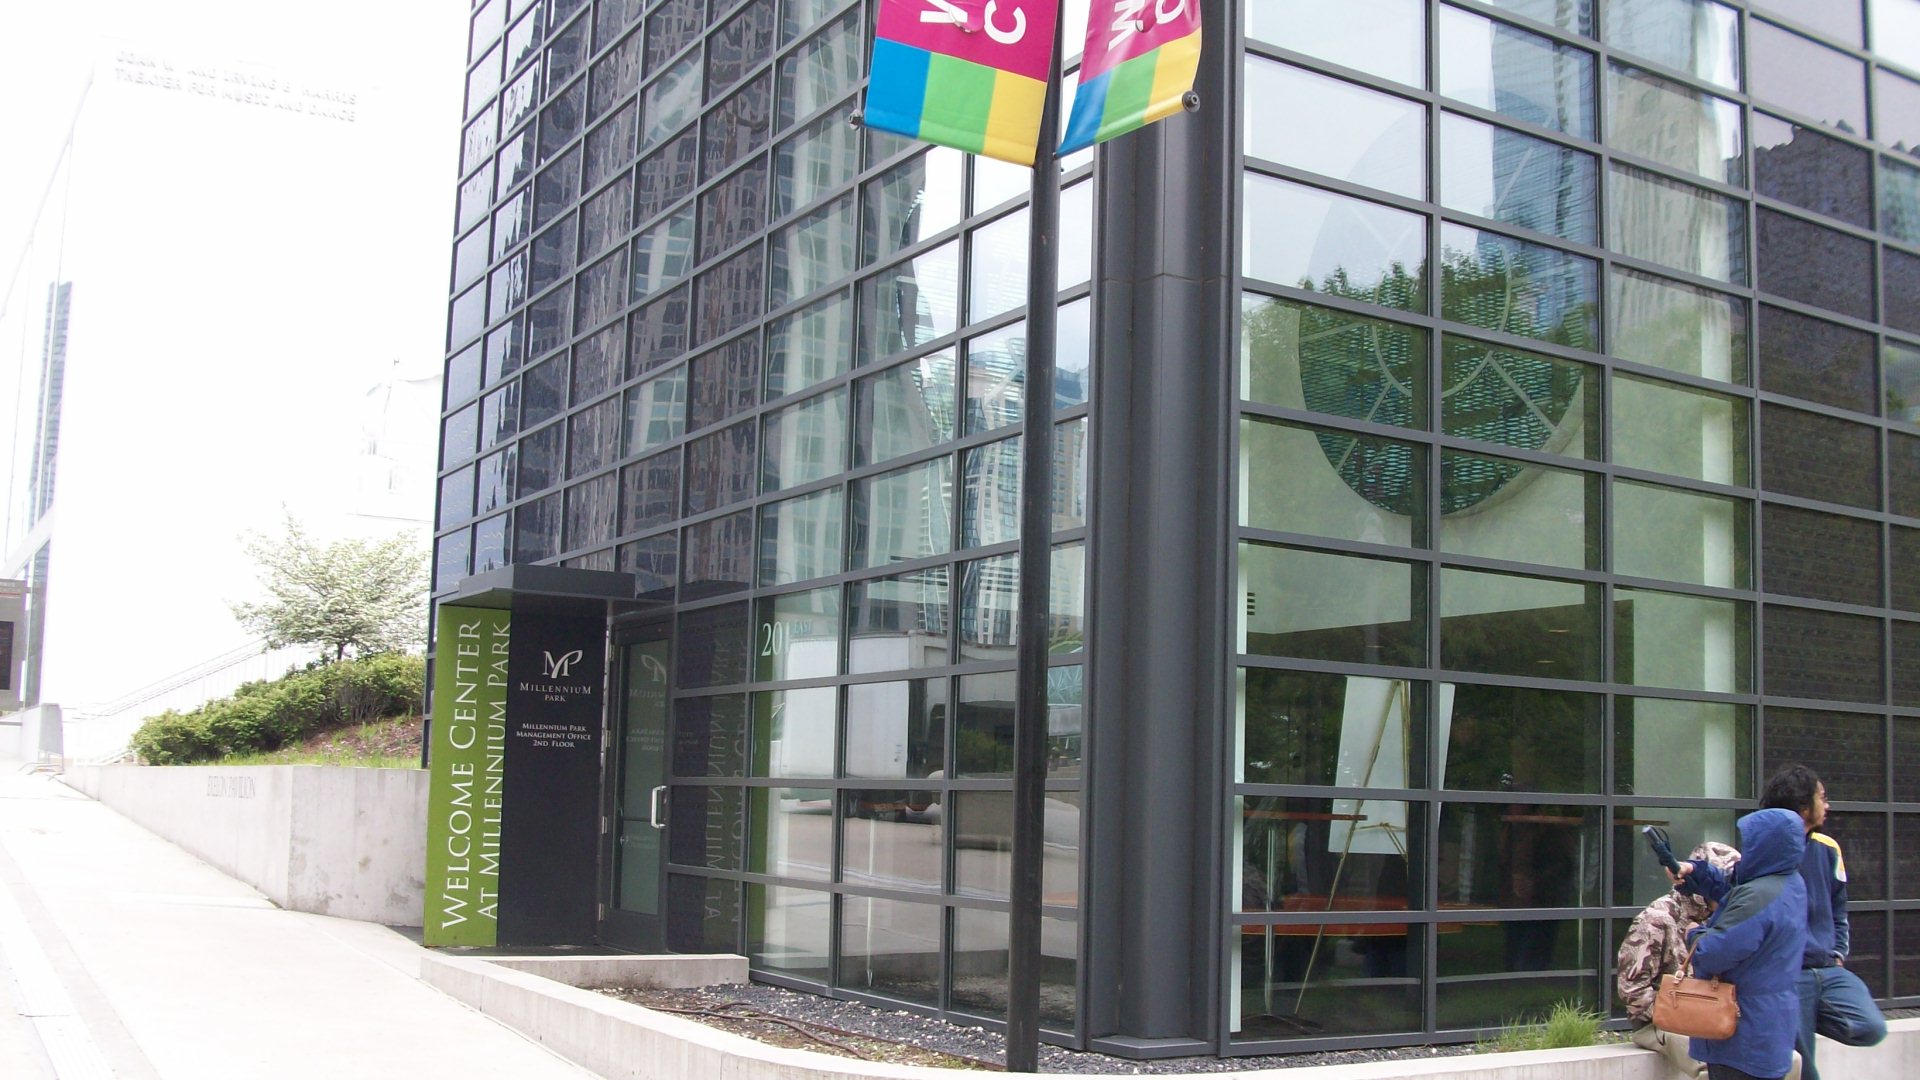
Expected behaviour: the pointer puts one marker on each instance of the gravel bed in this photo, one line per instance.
(972, 1046)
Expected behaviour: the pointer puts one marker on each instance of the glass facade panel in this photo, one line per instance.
(1500, 738)
(1305, 357)
(906, 514)
(898, 730)
(1524, 400)
(1698, 37)
(805, 442)
(891, 948)
(1814, 265)
(800, 538)
(1806, 78)
(1675, 125)
(1332, 484)
(1509, 625)
(1319, 605)
(1496, 66)
(1316, 240)
(1682, 642)
(1328, 854)
(1380, 37)
(1676, 535)
(1819, 457)
(897, 623)
(1677, 225)
(1318, 730)
(1353, 134)
(1495, 172)
(1797, 164)
(1667, 428)
(1497, 508)
(1678, 327)
(1682, 749)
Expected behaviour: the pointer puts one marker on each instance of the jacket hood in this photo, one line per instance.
(1771, 842)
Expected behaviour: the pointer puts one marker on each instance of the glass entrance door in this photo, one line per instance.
(637, 820)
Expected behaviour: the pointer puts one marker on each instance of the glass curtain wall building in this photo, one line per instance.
(1484, 428)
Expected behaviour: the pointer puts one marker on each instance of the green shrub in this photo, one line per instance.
(268, 714)
(1567, 1025)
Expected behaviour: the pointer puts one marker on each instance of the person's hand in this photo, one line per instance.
(1685, 869)
(1839, 961)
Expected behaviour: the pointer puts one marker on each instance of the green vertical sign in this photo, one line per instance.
(467, 767)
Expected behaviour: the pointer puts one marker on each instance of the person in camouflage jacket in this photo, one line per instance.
(1656, 943)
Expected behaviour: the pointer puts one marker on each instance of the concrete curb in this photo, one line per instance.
(621, 1041)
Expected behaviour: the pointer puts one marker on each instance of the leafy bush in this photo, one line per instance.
(266, 715)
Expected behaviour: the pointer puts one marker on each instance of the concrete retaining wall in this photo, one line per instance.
(333, 841)
(627, 1042)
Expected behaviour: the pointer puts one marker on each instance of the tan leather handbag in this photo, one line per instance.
(1700, 1008)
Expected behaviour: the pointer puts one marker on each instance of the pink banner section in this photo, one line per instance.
(1011, 35)
(1119, 30)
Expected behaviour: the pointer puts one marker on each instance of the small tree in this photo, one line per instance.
(355, 595)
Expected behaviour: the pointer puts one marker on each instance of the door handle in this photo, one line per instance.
(653, 816)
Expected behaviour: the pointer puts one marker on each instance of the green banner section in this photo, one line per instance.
(467, 763)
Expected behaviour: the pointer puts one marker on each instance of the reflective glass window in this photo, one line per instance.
(730, 294)
(797, 635)
(1351, 133)
(805, 442)
(736, 127)
(673, 25)
(670, 101)
(476, 195)
(456, 497)
(1379, 37)
(1500, 283)
(1506, 738)
(897, 729)
(1521, 399)
(1806, 78)
(997, 267)
(1682, 642)
(592, 509)
(468, 317)
(1677, 326)
(605, 217)
(663, 254)
(788, 929)
(722, 383)
(463, 374)
(1498, 173)
(1664, 221)
(996, 378)
(722, 468)
(593, 437)
(896, 623)
(1840, 20)
(719, 556)
(907, 407)
(1499, 508)
(1301, 356)
(494, 481)
(890, 839)
(665, 177)
(1506, 855)
(458, 436)
(1073, 354)
(1573, 15)
(1682, 749)
(1816, 360)
(650, 492)
(815, 251)
(909, 304)
(656, 411)
(906, 514)
(1333, 607)
(1797, 164)
(1290, 848)
(1675, 125)
(1508, 70)
(1698, 37)
(1900, 285)
(1901, 365)
(734, 210)
(809, 345)
(562, 119)
(1896, 109)
(1663, 427)
(1675, 535)
(499, 415)
(821, 157)
(795, 733)
(478, 141)
(991, 510)
(989, 620)
(1301, 236)
(600, 291)
(1823, 654)
(1299, 727)
(710, 736)
(536, 529)
(916, 199)
(552, 256)
(828, 65)
(738, 45)
(451, 556)
(1815, 265)
(491, 546)
(1478, 962)
(1821, 556)
(1900, 200)
(540, 458)
(1505, 624)
(1321, 482)
(1819, 457)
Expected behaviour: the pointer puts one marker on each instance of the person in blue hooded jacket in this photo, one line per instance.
(1754, 941)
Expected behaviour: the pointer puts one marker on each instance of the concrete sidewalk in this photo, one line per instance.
(123, 956)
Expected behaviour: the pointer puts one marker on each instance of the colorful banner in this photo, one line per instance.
(466, 789)
(970, 74)
(1139, 63)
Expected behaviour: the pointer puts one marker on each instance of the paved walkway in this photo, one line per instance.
(123, 956)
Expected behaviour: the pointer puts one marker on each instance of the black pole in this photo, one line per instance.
(1036, 563)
